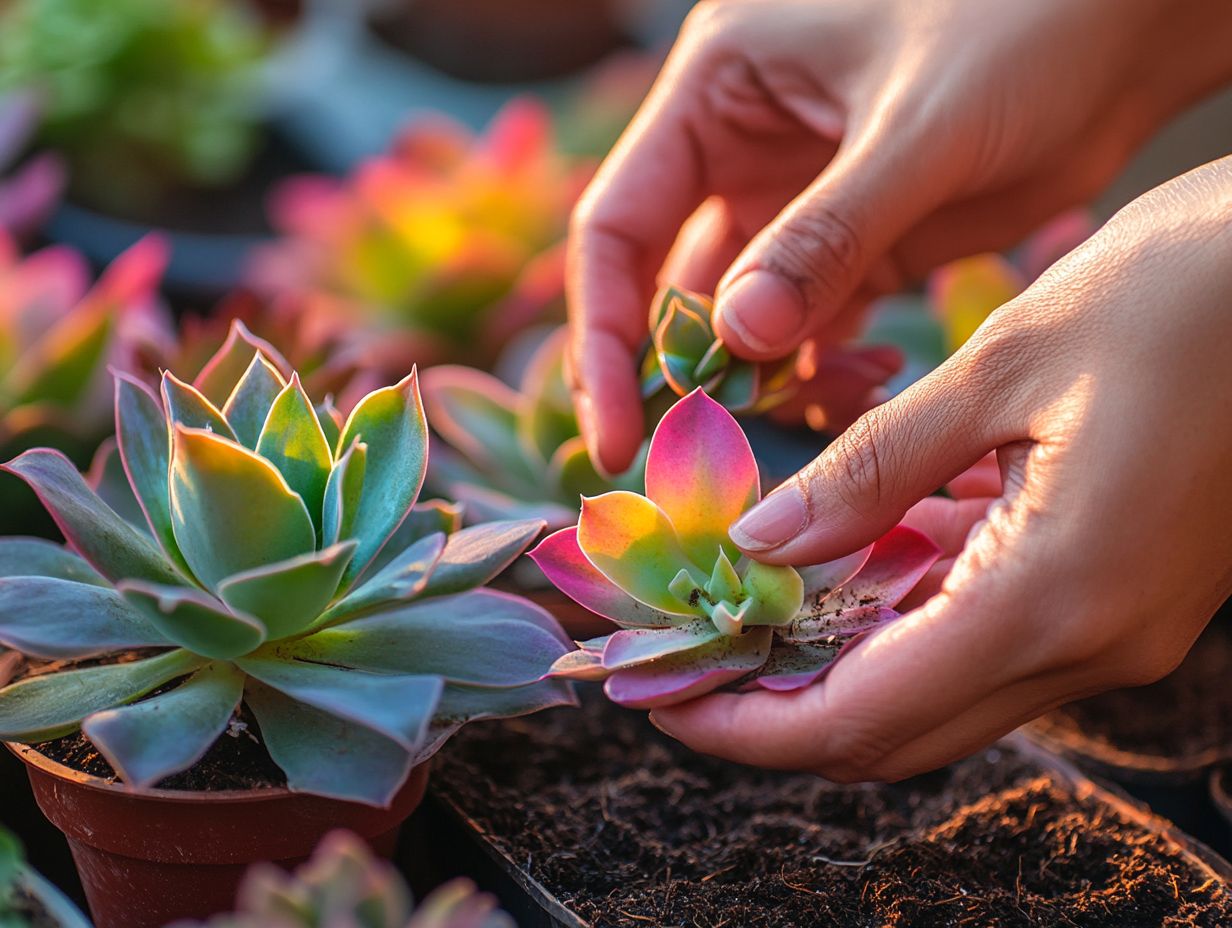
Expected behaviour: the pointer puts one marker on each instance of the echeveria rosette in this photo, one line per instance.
(443, 248)
(285, 563)
(345, 886)
(694, 615)
(513, 453)
(29, 190)
(685, 354)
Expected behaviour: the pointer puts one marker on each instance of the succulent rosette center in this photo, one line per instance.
(693, 614)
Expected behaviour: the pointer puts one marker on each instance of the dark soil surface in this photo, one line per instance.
(1184, 715)
(238, 760)
(631, 830)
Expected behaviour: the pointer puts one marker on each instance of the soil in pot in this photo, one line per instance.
(629, 829)
(179, 850)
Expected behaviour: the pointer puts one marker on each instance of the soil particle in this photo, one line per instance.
(631, 830)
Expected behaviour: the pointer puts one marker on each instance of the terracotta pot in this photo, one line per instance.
(148, 857)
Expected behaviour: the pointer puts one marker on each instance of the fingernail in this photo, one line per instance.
(777, 519)
(765, 310)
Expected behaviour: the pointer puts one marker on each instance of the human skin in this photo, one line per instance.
(800, 157)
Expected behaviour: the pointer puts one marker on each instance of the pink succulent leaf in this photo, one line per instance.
(631, 541)
(701, 472)
(899, 560)
(580, 665)
(822, 579)
(793, 665)
(135, 275)
(563, 563)
(830, 619)
(681, 677)
(631, 647)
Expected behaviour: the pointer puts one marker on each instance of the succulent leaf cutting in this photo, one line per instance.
(283, 562)
(693, 614)
(685, 354)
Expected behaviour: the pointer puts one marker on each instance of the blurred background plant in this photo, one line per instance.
(59, 335)
(27, 900)
(345, 885)
(141, 96)
(443, 248)
(29, 190)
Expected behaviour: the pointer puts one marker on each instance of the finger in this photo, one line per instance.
(705, 248)
(620, 234)
(799, 271)
(892, 457)
(919, 673)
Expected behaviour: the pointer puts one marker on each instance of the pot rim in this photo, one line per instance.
(27, 754)
(1114, 760)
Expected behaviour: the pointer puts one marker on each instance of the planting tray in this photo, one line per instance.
(484, 843)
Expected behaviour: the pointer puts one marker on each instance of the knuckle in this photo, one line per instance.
(820, 251)
(856, 458)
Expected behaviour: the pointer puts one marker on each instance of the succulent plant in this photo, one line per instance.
(139, 94)
(345, 886)
(32, 189)
(693, 614)
(267, 574)
(447, 246)
(513, 453)
(685, 354)
(27, 900)
(58, 335)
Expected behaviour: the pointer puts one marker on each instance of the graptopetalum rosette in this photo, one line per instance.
(693, 614)
(345, 885)
(265, 577)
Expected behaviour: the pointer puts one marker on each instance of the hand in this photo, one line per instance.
(1106, 392)
(826, 151)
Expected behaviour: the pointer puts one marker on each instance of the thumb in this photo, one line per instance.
(890, 459)
(800, 270)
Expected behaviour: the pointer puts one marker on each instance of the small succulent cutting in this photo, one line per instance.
(448, 244)
(685, 354)
(58, 335)
(513, 453)
(693, 614)
(28, 191)
(266, 574)
(345, 886)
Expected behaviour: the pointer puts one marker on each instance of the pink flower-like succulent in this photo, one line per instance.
(693, 614)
